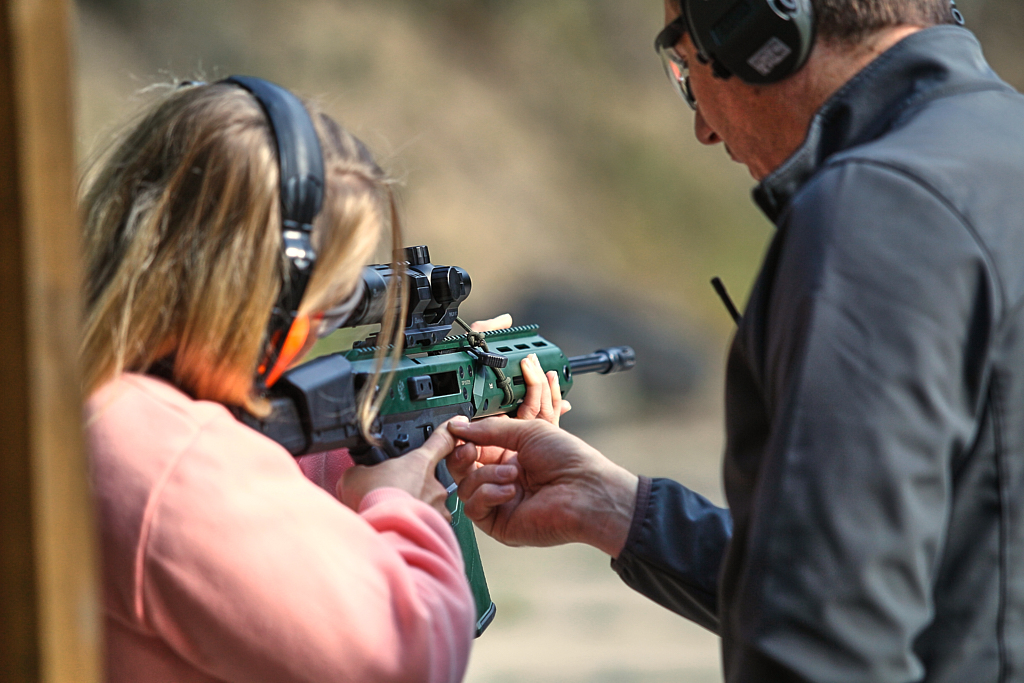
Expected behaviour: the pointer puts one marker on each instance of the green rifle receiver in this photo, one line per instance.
(314, 405)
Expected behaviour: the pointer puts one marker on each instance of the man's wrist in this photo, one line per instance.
(608, 523)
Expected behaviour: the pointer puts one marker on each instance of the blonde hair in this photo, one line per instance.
(183, 243)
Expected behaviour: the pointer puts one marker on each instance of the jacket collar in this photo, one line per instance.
(922, 67)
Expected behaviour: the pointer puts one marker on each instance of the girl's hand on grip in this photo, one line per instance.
(412, 473)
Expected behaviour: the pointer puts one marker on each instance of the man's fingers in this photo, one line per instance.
(462, 461)
(546, 411)
(486, 498)
(495, 475)
(533, 376)
(500, 431)
(556, 397)
(556, 388)
(502, 322)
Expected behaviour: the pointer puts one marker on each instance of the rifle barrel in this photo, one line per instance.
(604, 361)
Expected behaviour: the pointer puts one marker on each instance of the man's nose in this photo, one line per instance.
(705, 133)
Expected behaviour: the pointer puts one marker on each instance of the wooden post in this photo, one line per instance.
(49, 615)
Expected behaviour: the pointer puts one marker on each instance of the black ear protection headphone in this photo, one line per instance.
(760, 41)
(301, 164)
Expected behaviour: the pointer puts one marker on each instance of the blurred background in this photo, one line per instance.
(539, 147)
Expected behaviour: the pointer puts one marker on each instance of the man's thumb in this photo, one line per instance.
(493, 431)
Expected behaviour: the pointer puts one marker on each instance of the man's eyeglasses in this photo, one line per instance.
(676, 68)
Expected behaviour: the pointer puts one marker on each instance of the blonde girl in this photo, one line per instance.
(221, 561)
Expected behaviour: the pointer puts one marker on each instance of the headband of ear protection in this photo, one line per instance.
(760, 41)
(301, 164)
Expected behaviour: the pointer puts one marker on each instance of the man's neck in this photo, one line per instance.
(838, 63)
(794, 102)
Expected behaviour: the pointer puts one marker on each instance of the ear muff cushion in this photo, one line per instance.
(300, 160)
(293, 345)
(759, 41)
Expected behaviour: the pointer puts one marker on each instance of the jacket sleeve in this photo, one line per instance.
(252, 573)
(874, 356)
(674, 550)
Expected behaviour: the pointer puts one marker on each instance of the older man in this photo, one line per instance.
(874, 464)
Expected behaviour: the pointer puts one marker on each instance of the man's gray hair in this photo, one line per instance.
(850, 21)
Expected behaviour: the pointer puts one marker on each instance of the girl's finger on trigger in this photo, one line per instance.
(439, 445)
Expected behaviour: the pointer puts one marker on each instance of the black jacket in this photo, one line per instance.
(874, 462)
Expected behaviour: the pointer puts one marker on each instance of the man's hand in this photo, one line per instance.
(543, 397)
(537, 485)
(413, 473)
(543, 393)
(502, 322)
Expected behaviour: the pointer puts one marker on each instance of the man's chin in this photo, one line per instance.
(750, 169)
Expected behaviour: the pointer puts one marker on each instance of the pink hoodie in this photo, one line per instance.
(222, 562)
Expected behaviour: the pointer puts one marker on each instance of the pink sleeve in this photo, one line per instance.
(425, 541)
(325, 469)
(252, 573)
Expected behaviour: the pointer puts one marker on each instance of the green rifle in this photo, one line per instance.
(476, 375)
